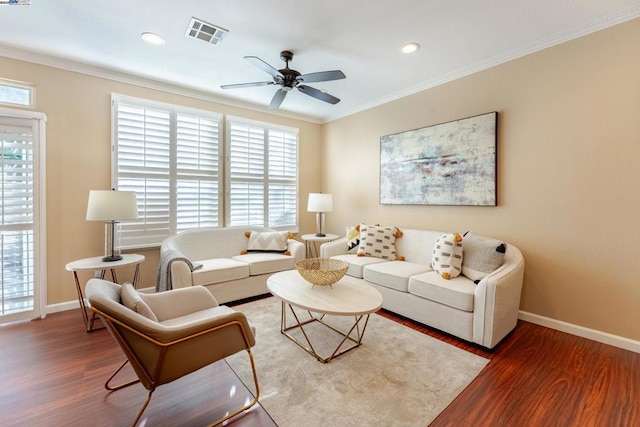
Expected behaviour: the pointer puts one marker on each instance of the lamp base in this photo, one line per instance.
(111, 258)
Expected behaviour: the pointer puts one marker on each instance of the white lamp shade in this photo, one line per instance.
(319, 202)
(109, 205)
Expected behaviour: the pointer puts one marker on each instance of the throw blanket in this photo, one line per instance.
(163, 281)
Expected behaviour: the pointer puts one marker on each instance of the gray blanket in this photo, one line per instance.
(163, 281)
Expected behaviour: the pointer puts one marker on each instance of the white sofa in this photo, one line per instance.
(482, 313)
(215, 258)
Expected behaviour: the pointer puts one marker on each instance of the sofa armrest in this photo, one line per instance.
(497, 300)
(297, 249)
(333, 248)
(181, 276)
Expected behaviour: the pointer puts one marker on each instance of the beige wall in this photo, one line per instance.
(78, 160)
(568, 174)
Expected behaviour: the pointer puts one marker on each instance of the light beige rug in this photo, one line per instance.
(397, 377)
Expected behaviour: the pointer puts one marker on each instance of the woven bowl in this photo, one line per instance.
(322, 271)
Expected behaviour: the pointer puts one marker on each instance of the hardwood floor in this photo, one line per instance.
(53, 373)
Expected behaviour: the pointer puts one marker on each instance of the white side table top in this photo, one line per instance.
(96, 263)
(347, 297)
(314, 238)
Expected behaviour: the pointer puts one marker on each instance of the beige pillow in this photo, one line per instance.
(378, 241)
(133, 301)
(270, 241)
(447, 256)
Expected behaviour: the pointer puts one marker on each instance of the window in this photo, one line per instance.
(14, 93)
(21, 225)
(262, 174)
(170, 157)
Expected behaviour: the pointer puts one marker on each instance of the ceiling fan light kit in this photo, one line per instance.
(289, 79)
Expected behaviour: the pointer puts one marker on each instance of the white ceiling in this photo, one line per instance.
(360, 37)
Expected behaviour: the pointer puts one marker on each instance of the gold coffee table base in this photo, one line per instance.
(353, 341)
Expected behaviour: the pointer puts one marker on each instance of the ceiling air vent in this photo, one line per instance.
(206, 32)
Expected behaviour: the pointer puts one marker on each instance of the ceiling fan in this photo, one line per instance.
(291, 79)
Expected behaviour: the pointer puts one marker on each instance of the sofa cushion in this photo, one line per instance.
(219, 270)
(481, 255)
(447, 255)
(265, 262)
(378, 241)
(353, 239)
(133, 301)
(457, 292)
(269, 241)
(356, 263)
(393, 274)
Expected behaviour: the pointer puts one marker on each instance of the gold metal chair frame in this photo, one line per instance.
(355, 341)
(152, 377)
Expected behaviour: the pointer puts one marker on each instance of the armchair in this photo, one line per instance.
(162, 335)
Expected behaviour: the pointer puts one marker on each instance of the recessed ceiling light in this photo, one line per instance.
(152, 38)
(410, 47)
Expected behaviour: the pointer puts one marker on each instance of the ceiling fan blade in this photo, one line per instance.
(318, 94)
(322, 76)
(277, 99)
(264, 66)
(240, 85)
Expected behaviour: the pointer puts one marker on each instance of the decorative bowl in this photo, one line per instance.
(322, 271)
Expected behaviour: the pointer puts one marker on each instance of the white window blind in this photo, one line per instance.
(170, 156)
(263, 175)
(19, 140)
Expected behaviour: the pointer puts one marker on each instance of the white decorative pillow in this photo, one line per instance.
(447, 256)
(133, 301)
(353, 239)
(482, 255)
(269, 241)
(378, 241)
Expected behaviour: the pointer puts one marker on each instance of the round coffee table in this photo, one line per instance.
(348, 297)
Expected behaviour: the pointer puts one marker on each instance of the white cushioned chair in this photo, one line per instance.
(163, 335)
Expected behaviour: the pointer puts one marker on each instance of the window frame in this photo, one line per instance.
(267, 127)
(19, 85)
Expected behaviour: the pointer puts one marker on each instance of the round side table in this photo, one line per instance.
(312, 240)
(96, 263)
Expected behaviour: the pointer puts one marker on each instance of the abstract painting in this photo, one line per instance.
(451, 163)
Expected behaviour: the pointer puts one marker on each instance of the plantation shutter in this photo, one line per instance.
(170, 157)
(20, 244)
(262, 175)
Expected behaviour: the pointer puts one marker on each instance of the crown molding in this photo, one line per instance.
(536, 46)
(41, 58)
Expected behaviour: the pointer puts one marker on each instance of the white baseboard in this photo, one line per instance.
(581, 331)
(62, 306)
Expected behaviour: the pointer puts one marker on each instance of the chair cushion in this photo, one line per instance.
(457, 292)
(481, 255)
(356, 263)
(265, 262)
(219, 270)
(393, 274)
(133, 301)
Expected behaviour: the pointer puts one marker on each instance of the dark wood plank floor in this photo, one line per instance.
(52, 373)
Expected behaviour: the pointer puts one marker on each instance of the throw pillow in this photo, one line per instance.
(133, 301)
(447, 256)
(353, 239)
(378, 241)
(481, 256)
(269, 241)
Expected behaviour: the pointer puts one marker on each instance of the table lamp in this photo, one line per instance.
(320, 203)
(111, 207)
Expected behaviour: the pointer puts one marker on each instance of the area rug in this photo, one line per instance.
(397, 377)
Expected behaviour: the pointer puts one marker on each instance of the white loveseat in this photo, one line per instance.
(482, 313)
(216, 258)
